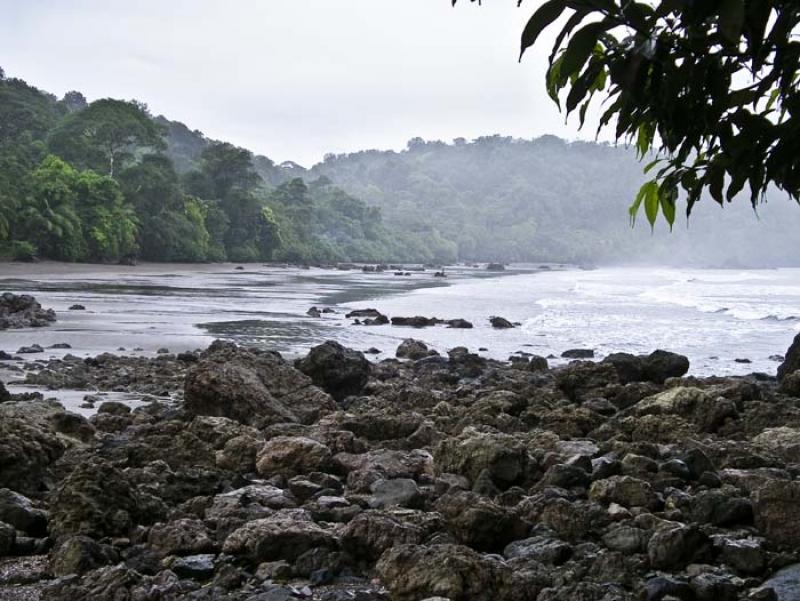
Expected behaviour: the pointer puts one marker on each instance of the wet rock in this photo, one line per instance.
(582, 380)
(372, 532)
(196, 567)
(630, 368)
(626, 491)
(414, 572)
(459, 323)
(7, 538)
(19, 511)
(791, 363)
(29, 350)
(80, 554)
(543, 549)
(578, 353)
(417, 321)
(252, 388)
(395, 492)
(504, 458)
(314, 312)
(22, 311)
(785, 583)
(790, 384)
(500, 323)
(674, 546)
(77, 307)
(660, 365)
(776, 507)
(285, 535)
(479, 522)
(667, 588)
(627, 539)
(338, 370)
(290, 456)
(181, 537)
(745, 555)
(782, 441)
(412, 349)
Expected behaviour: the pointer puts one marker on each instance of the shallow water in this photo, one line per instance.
(713, 316)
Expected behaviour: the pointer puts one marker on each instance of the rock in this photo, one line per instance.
(785, 583)
(745, 555)
(181, 537)
(78, 555)
(96, 500)
(543, 549)
(667, 588)
(790, 384)
(455, 572)
(22, 311)
(578, 353)
(372, 532)
(285, 535)
(7, 538)
(479, 522)
(500, 323)
(791, 363)
(314, 312)
(660, 365)
(776, 506)
(626, 491)
(252, 388)
(412, 349)
(674, 546)
(782, 441)
(60, 345)
(504, 458)
(338, 370)
(290, 456)
(395, 492)
(495, 267)
(626, 539)
(418, 321)
(459, 323)
(369, 313)
(77, 307)
(18, 510)
(195, 567)
(630, 368)
(31, 440)
(29, 350)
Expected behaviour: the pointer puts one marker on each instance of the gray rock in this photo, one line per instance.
(18, 510)
(338, 370)
(196, 567)
(396, 492)
(785, 583)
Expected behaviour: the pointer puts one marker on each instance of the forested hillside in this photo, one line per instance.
(107, 181)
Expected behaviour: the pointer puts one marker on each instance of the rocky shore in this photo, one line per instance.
(421, 477)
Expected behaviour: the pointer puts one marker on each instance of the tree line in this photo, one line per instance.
(107, 182)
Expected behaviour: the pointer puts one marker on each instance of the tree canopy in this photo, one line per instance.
(711, 87)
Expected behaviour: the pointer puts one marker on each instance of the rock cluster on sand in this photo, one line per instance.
(22, 311)
(424, 477)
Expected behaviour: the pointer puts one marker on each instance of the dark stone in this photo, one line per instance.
(196, 567)
(660, 365)
(791, 363)
(578, 353)
(338, 370)
(500, 323)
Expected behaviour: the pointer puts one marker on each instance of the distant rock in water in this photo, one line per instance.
(418, 321)
(655, 367)
(77, 308)
(29, 350)
(495, 267)
(578, 353)
(500, 323)
(22, 311)
(413, 349)
(314, 312)
(459, 323)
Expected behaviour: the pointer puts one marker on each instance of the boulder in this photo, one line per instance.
(417, 321)
(290, 456)
(626, 491)
(783, 441)
(479, 522)
(785, 584)
(79, 554)
(660, 365)
(18, 510)
(340, 371)
(395, 492)
(23, 311)
(578, 353)
(256, 388)
(181, 537)
(676, 545)
(791, 363)
(7, 538)
(504, 459)
(500, 323)
(630, 368)
(459, 324)
(285, 535)
(776, 506)
(372, 532)
(544, 549)
(412, 349)
(195, 567)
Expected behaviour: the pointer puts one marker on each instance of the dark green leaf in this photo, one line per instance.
(731, 19)
(544, 16)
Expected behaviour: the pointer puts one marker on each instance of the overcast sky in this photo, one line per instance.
(294, 79)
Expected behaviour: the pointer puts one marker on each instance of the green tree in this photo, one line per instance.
(106, 135)
(711, 87)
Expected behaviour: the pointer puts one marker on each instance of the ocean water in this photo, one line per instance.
(713, 316)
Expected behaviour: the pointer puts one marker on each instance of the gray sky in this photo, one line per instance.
(294, 79)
